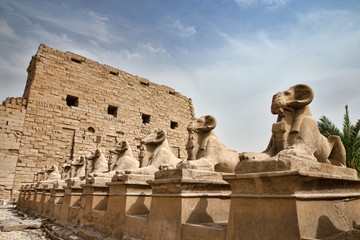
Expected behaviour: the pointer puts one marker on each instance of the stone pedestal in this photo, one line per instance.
(186, 200)
(70, 207)
(36, 195)
(56, 199)
(93, 204)
(47, 201)
(98, 180)
(39, 199)
(29, 196)
(289, 198)
(43, 206)
(23, 197)
(129, 197)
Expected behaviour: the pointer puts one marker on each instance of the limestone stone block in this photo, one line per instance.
(186, 196)
(292, 198)
(129, 197)
(69, 211)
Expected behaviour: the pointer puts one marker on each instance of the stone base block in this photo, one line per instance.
(72, 198)
(74, 215)
(128, 194)
(34, 196)
(292, 199)
(20, 204)
(98, 180)
(211, 231)
(57, 195)
(56, 211)
(186, 196)
(39, 199)
(135, 227)
(44, 209)
(282, 162)
(94, 200)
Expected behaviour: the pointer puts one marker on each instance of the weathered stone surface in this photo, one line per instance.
(60, 117)
(184, 175)
(294, 198)
(129, 194)
(93, 204)
(71, 201)
(96, 162)
(211, 231)
(121, 158)
(186, 196)
(7, 225)
(205, 151)
(12, 116)
(161, 156)
(286, 162)
(98, 180)
(77, 171)
(52, 173)
(296, 132)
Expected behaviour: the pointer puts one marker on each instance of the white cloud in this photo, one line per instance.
(150, 49)
(246, 3)
(183, 31)
(98, 18)
(90, 25)
(320, 49)
(271, 5)
(84, 22)
(6, 30)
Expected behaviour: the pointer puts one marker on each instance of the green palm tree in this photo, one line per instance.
(350, 136)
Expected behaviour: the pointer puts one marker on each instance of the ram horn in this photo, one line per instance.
(303, 95)
(160, 137)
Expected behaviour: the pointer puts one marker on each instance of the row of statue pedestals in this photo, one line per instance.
(298, 188)
(286, 199)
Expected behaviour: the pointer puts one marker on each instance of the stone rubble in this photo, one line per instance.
(8, 225)
(9, 214)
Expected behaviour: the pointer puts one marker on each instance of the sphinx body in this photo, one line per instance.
(121, 158)
(161, 156)
(205, 151)
(296, 132)
(96, 162)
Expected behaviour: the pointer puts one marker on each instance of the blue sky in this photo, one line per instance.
(229, 56)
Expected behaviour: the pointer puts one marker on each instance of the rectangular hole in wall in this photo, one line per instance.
(176, 151)
(120, 132)
(75, 60)
(173, 125)
(114, 73)
(171, 92)
(72, 101)
(145, 118)
(144, 83)
(112, 110)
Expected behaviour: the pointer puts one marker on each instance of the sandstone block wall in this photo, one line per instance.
(12, 115)
(73, 102)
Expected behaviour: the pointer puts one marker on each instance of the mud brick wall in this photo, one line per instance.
(72, 101)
